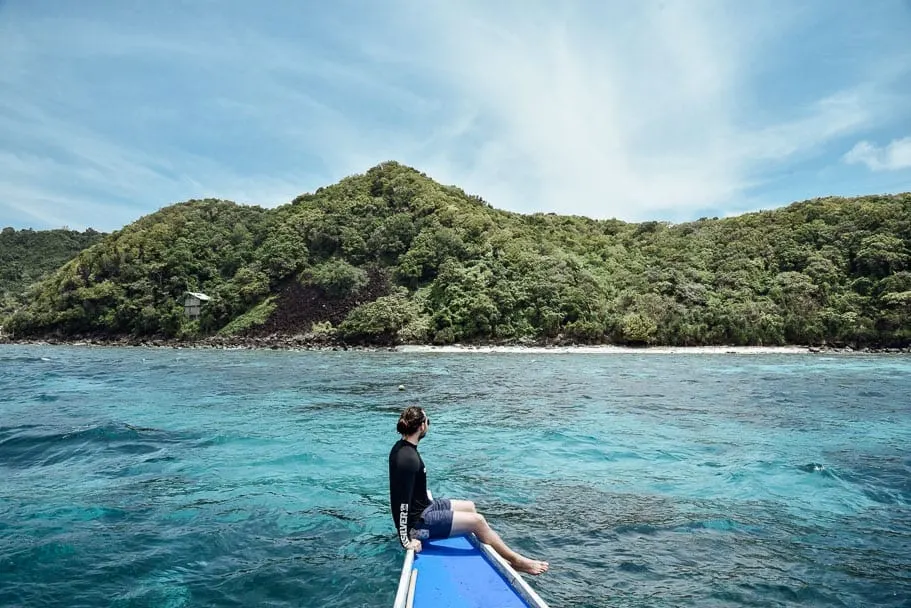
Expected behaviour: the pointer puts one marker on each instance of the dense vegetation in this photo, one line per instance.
(28, 255)
(391, 256)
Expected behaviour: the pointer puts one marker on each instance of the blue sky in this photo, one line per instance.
(664, 109)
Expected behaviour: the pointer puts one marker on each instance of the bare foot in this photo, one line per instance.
(530, 566)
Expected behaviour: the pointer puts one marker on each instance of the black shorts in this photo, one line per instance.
(435, 520)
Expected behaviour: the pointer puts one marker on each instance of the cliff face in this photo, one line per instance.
(299, 307)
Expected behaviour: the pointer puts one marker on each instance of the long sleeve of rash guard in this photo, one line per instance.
(402, 478)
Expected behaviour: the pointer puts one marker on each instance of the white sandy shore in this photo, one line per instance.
(607, 349)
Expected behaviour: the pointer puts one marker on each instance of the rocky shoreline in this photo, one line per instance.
(309, 343)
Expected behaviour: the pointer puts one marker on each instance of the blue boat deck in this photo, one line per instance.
(454, 573)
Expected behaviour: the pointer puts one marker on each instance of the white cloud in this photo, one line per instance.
(89, 180)
(649, 114)
(639, 111)
(227, 99)
(895, 156)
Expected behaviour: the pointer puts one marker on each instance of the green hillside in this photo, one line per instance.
(391, 256)
(28, 255)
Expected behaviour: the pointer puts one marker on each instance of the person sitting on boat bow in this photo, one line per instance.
(417, 515)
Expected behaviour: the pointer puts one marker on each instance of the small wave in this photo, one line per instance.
(884, 496)
(633, 567)
(160, 589)
(825, 471)
(814, 467)
(75, 513)
(140, 428)
(636, 529)
(24, 359)
(719, 525)
(713, 465)
(797, 592)
(871, 394)
(33, 445)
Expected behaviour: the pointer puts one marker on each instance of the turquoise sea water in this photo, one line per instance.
(159, 477)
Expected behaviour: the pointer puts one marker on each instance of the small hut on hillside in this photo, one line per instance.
(193, 303)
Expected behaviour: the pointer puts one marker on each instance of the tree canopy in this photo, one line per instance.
(392, 256)
(28, 255)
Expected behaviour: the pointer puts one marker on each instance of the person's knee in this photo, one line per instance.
(471, 507)
(479, 523)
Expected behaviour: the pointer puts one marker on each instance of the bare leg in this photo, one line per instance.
(465, 506)
(463, 522)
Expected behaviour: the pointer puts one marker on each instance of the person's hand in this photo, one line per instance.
(416, 545)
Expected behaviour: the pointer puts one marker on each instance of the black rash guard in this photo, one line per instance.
(407, 487)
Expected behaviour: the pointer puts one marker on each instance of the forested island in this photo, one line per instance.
(391, 257)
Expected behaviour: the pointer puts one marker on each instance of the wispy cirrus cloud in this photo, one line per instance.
(132, 115)
(892, 157)
(656, 110)
(660, 112)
